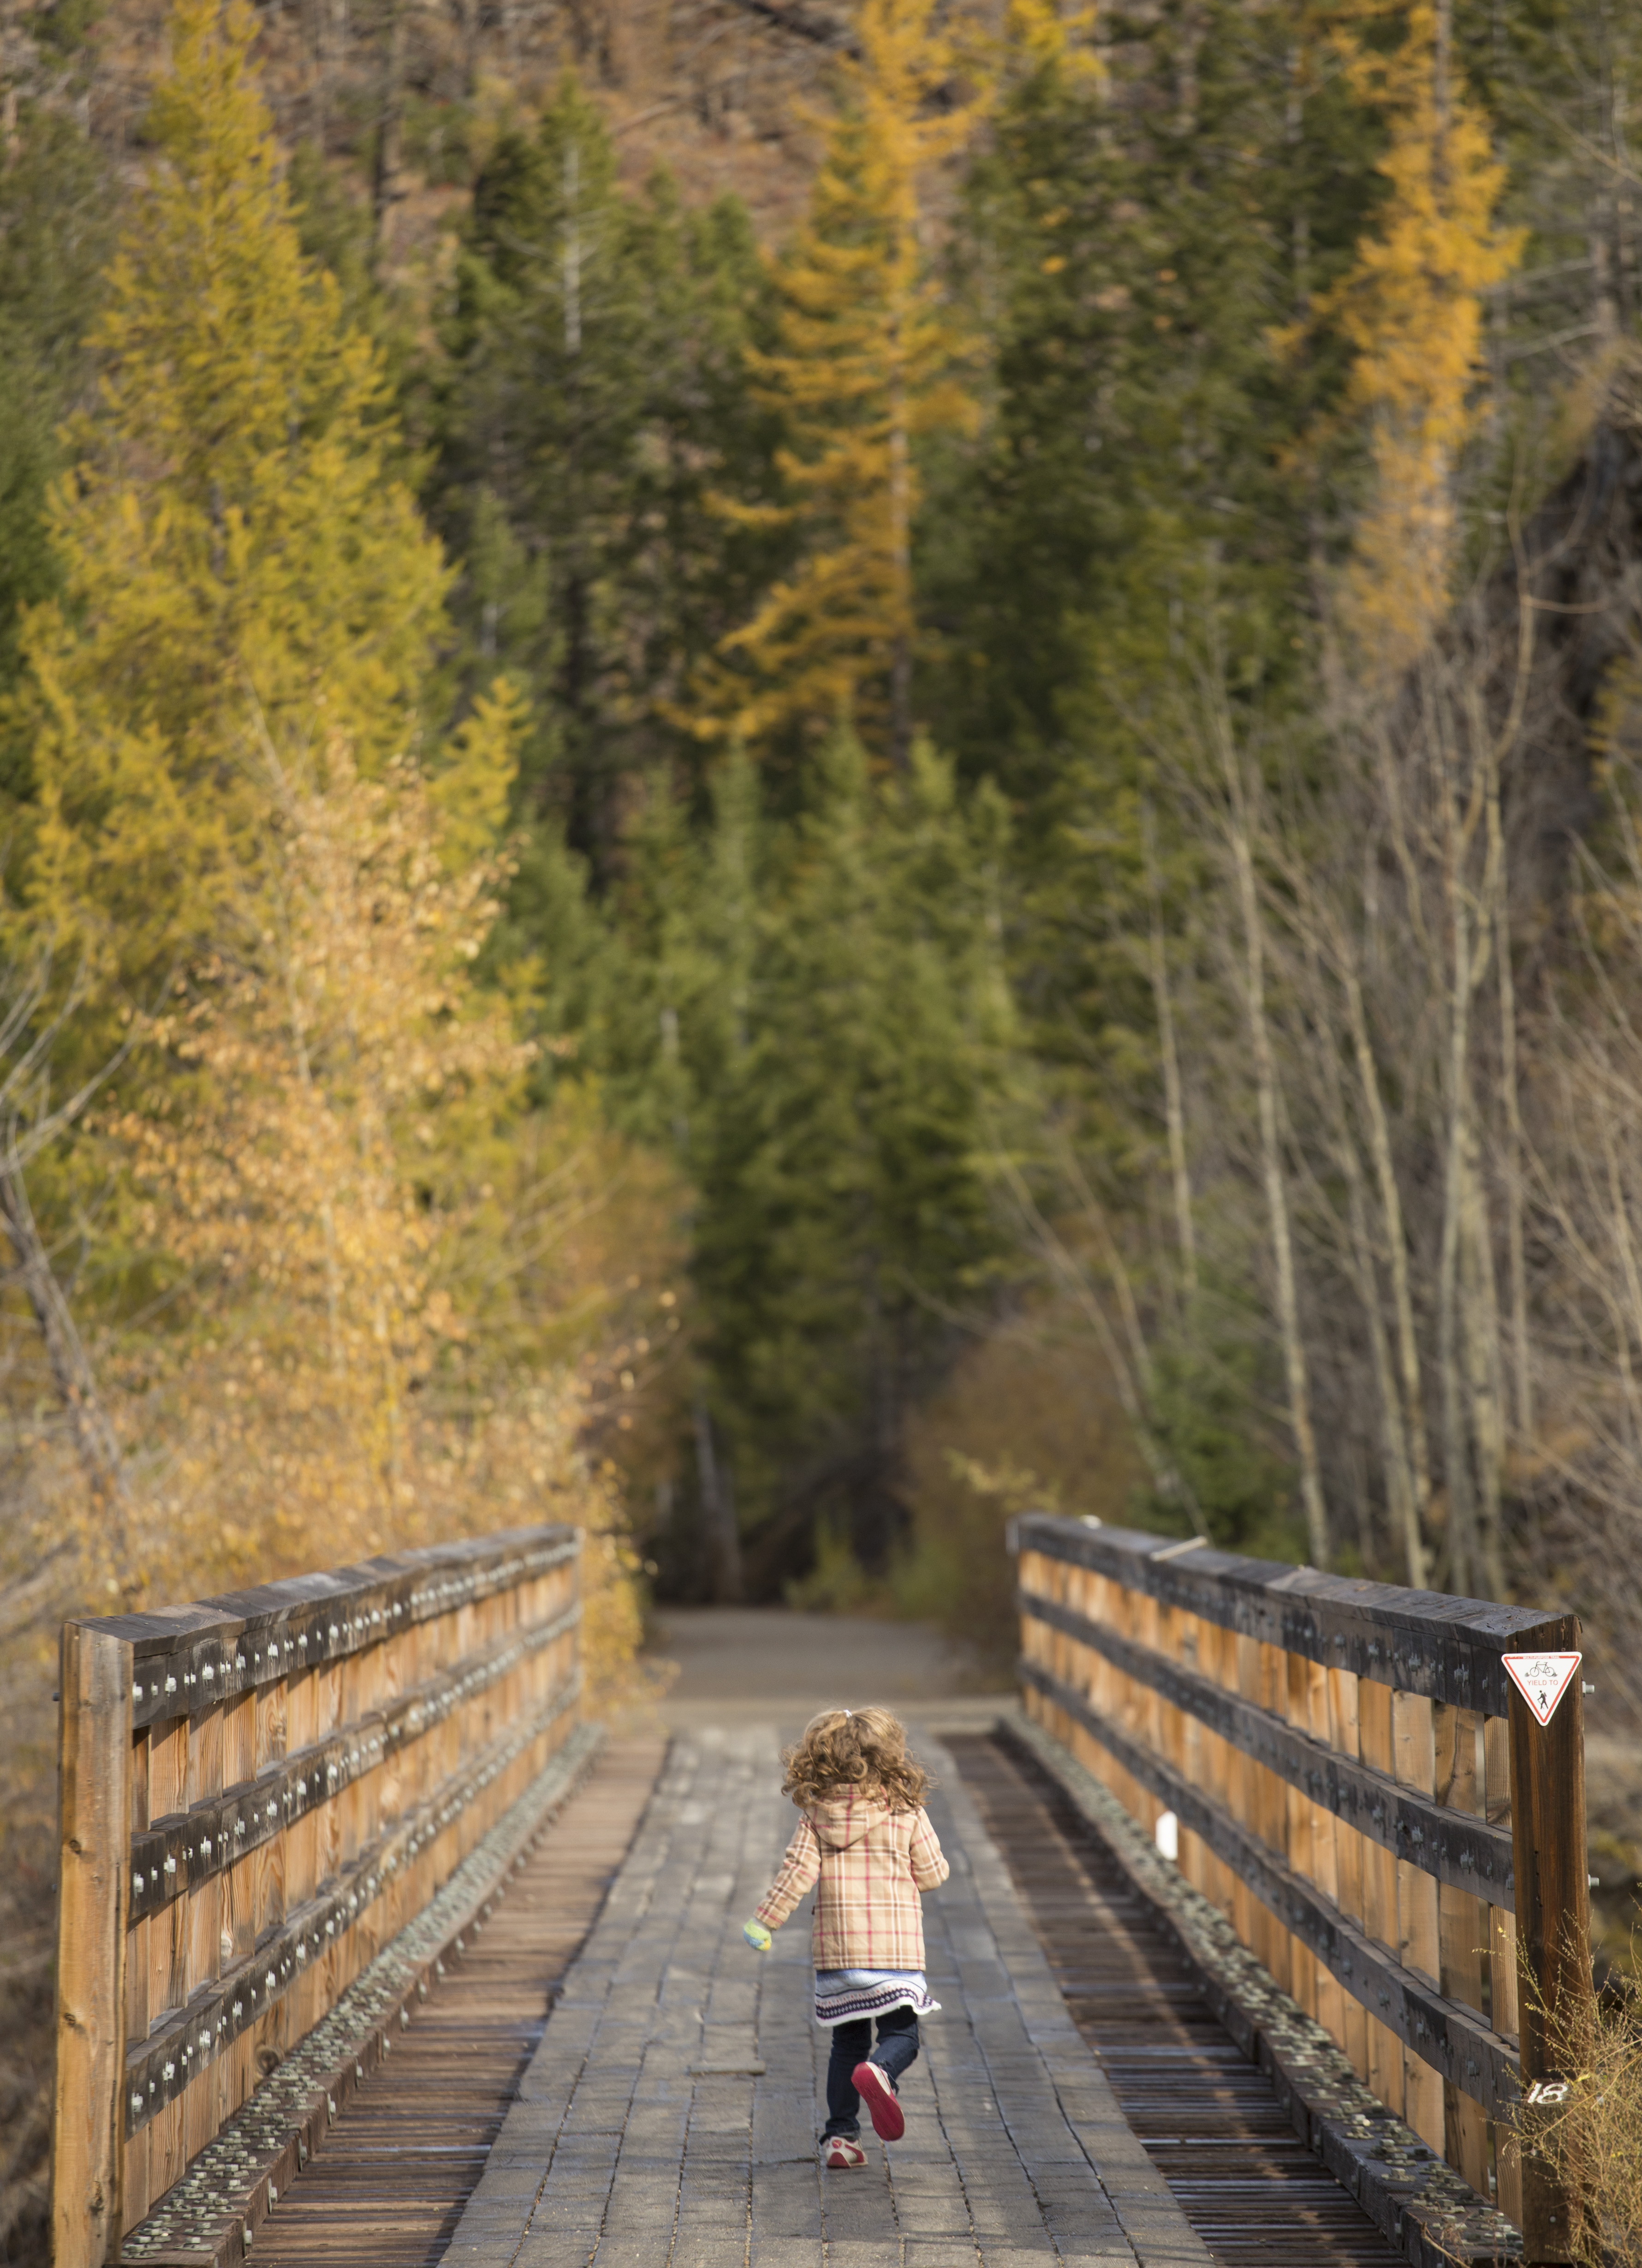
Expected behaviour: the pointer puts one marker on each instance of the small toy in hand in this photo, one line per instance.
(757, 1935)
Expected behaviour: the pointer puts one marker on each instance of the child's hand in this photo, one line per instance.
(757, 1935)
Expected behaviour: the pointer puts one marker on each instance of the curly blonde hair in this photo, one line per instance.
(864, 1750)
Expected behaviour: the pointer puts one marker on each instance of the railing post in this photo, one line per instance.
(1553, 1911)
(94, 1794)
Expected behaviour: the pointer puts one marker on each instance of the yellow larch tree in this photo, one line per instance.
(305, 1139)
(867, 363)
(334, 1238)
(1411, 307)
(236, 535)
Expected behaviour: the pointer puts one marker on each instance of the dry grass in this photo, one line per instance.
(1037, 1383)
(27, 1908)
(1594, 2139)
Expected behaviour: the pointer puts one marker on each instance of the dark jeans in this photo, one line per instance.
(897, 2047)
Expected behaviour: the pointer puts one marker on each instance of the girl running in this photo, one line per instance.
(866, 1845)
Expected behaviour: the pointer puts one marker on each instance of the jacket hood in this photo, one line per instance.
(843, 1819)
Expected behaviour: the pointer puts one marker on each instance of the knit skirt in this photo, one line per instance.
(843, 1996)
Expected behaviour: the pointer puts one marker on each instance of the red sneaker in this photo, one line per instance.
(840, 2155)
(873, 2087)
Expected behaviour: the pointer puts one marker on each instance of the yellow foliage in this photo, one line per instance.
(348, 1262)
(865, 366)
(303, 1149)
(235, 540)
(473, 789)
(1411, 308)
(1042, 37)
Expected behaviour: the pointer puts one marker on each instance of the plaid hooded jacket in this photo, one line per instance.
(868, 1865)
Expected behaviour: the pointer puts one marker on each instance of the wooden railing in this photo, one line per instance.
(1362, 1790)
(258, 1792)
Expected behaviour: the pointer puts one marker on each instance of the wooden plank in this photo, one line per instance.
(1298, 1822)
(136, 1960)
(1413, 1741)
(1502, 1964)
(94, 1769)
(1348, 1846)
(300, 1839)
(136, 2196)
(1462, 1922)
(1332, 2001)
(140, 1740)
(1271, 1810)
(1553, 1912)
(271, 1723)
(1248, 1915)
(167, 1769)
(137, 1957)
(239, 1759)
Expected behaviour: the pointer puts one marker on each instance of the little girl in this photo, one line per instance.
(866, 1839)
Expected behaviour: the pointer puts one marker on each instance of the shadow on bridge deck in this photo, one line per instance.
(664, 2114)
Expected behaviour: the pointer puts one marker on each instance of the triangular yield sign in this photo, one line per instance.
(1541, 1679)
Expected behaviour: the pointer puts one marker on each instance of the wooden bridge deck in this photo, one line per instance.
(1208, 2117)
(1071, 2102)
(408, 2149)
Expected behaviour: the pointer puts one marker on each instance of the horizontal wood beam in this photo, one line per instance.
(1456, 1847)
(182, 1849)
(1451, 2038)
(1445, 1649)
(185, 1657)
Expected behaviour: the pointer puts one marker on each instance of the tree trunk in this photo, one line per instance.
(1415, 1551)
(1271, 1155)
(1523, 1408)
(1481, 1318)
(71, 1371)
(1394, 1436)
(1174, 1110)
(389, 122)
(1456, 1080)
(718, 1522)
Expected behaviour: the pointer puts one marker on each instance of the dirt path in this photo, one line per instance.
(784, 1667)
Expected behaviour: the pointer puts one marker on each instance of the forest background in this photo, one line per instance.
(780, 777)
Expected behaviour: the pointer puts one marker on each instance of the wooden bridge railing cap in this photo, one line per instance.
(1445, 1649)
(216, 1648)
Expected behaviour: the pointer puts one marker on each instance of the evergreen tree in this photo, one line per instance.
(241, 570)
(866, 369)
(668, 1019)
(814, 1015)
(594, 399)
(54, 239)
(1557, 84)
(1142, 227)
(845, 1216)
(1412, 309)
